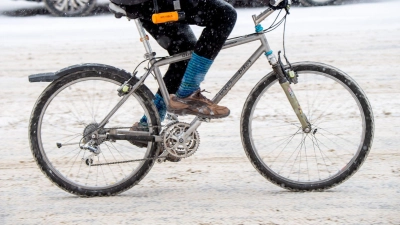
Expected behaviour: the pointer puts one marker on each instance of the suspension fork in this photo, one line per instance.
(285, 84)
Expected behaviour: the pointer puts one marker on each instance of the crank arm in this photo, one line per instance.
(163, 157)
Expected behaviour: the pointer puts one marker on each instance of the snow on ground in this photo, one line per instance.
(217, 185)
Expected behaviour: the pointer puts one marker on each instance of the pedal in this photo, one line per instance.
(172, 117)
(202, 119)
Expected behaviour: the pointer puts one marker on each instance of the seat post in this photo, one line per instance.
(144, 38)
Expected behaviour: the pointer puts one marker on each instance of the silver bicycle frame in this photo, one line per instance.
(264, 48)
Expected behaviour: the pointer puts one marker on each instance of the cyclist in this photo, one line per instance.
(183, 78)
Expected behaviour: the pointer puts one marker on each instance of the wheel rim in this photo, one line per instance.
(70, 6)
(76, 106)
(321, 155)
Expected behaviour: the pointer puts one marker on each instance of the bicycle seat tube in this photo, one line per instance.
(150, 55)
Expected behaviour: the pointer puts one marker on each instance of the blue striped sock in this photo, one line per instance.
(195, 72)
(161, 107)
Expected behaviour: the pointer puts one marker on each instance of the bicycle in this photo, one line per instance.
(83, 145)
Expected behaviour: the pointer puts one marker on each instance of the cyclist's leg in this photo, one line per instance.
(175, 38)
(219, 18)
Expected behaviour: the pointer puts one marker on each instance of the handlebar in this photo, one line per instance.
(262, 16)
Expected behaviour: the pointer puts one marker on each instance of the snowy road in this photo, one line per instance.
(217, 185)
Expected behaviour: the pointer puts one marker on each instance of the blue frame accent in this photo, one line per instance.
(269, 53)
(259, 28)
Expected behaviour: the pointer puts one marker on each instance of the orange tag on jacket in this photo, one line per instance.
(165, 17)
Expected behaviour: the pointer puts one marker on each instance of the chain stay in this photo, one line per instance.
(128, 161)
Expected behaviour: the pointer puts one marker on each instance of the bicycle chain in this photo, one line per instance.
(128, 161)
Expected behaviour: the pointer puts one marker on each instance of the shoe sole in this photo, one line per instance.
(184, 112)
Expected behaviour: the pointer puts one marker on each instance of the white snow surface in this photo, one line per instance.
(217, 185)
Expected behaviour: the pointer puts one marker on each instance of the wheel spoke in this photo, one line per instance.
(310, 160)
(73, 106)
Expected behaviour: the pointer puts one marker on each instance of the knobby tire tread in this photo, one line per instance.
(118, 76)
(369, 133)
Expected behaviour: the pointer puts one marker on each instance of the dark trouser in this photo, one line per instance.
(217, 16)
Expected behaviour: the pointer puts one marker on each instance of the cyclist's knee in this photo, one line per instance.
(230, 20)
(230, 12)
(227, 16)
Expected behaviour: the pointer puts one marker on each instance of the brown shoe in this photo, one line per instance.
(198, 105)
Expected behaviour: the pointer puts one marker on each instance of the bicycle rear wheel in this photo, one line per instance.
(342, 129)
(71, 108)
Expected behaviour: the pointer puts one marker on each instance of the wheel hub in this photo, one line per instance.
(87, 132)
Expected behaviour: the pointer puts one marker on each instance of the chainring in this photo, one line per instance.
(175, 144)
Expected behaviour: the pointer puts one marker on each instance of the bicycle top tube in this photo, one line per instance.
(229, 43)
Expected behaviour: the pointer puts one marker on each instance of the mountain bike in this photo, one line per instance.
(304, 126)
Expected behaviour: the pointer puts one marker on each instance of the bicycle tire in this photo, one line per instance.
(51, 122)
(301, 161)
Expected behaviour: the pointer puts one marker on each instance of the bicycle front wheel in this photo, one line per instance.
(67, 113)
(342, 129)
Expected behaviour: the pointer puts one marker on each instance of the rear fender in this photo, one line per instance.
(49, 77)
(92, 67)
